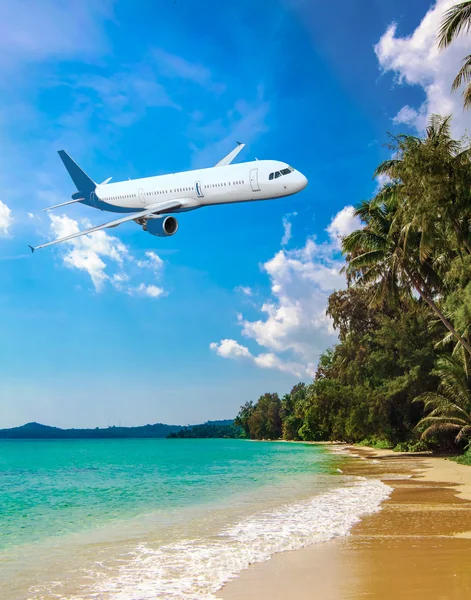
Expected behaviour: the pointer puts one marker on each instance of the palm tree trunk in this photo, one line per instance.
(422, 289)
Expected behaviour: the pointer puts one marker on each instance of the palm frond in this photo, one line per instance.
(450, 411)
(430, 421)
(430, 399)
(464, 74)
(464, 434)
(467, 96)
(385, 167)
(440, 428)
(454, 382)
(363, 240)
(387, 195)
(367, 259)
(456, 20)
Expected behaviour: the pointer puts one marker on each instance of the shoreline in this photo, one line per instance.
(416, 546)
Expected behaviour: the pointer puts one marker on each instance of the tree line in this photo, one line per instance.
(210, 429)
(400, 373)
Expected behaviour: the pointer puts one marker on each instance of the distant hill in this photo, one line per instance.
(34, 431)
(38, 431)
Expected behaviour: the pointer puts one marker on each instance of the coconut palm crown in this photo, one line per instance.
(450, 406)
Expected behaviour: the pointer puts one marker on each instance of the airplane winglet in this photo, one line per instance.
(230, 157)
(32, 248)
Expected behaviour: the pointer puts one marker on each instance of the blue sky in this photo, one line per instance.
(127, 327)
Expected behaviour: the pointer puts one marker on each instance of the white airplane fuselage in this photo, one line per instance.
(149, 201)
(241, 182)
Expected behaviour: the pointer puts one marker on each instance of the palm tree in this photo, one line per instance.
(379, 259)
(456, 21)
(433, 177)
(451, 404)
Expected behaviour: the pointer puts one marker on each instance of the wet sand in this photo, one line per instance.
(418, 546)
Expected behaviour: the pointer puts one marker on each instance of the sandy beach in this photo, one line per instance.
(417, 546)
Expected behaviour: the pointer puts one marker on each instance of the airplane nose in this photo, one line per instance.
(302, 181)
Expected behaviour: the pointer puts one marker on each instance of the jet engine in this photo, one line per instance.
(161, 226)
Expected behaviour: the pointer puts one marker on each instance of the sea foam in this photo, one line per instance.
(198, 568)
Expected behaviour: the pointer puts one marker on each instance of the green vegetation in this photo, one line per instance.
(211, 429)
(450, 405)
(374, 442)
(464, 459)
(399, 376)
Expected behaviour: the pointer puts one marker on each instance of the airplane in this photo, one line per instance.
(148, 201)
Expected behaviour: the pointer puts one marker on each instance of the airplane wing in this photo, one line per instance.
(152, 210)
(230, 157)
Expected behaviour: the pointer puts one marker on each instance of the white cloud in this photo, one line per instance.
(272, 361)
(293, 328)
(408, 116)
(86, 253)
(99, 253)
(381, 180)
(244, 290)
(153, 291)
(287, 226)
(416, 60)
(6, 219)
(231, 349)
(344, 223)
(118, 280)
(152, 261)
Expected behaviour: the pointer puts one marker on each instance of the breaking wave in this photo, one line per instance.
(197, 568)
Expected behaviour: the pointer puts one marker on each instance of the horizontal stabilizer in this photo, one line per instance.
(63, 204)
(230, 157)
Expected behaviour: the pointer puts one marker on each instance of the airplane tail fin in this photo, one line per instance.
(82, 181)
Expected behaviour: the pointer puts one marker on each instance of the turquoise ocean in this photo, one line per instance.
(145, 519)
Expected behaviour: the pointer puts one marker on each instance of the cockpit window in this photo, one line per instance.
(277, 174)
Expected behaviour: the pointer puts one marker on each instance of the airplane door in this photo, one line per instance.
(142, 198)
(254, 180)
(199, 189)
